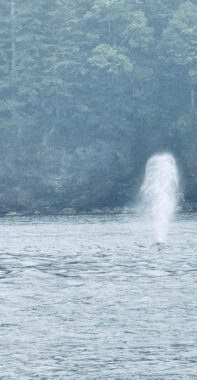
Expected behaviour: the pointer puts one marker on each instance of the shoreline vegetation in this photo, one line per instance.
(89, 91)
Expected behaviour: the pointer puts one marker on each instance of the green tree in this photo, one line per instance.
(179, 38)
(5, 65)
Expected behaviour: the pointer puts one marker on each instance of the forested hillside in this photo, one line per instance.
(89, 89)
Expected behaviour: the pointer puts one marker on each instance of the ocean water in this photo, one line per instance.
(93, 298)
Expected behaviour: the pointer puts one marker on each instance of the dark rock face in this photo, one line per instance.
(54, 181)
(90, 177)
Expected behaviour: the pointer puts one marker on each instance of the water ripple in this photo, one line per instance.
(92, 297)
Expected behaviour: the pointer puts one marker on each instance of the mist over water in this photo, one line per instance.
(160, 193)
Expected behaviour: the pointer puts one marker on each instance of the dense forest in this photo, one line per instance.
(89, 90)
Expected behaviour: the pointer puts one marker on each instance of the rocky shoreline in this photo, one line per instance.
(187, 207)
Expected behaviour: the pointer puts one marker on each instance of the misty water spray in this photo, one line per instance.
(159, 193)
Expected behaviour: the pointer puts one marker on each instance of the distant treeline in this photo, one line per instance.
(89, 89)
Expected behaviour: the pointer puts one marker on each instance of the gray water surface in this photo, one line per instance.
(92, 297)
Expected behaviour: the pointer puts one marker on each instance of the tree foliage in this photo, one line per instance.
(89, 89)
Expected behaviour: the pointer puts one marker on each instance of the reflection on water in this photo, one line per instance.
(90, 297)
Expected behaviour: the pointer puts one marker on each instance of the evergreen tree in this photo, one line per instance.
(180, 41)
